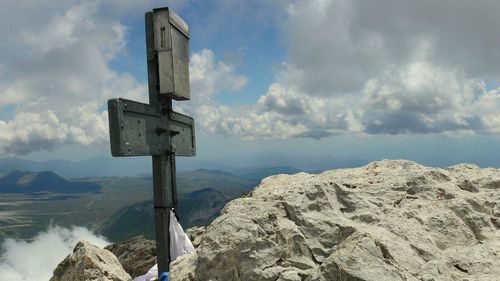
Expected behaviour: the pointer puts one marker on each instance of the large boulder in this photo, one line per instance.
(90, 263)
(389, 220)
(136, 255)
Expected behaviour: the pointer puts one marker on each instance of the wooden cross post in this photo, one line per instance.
(154, 129)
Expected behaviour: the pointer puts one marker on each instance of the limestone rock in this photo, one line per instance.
(90, 263)
(136, 255)
(389, 220)
(195, 233)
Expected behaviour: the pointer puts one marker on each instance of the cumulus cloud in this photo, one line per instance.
(281, 113)
(423, 98)
(56, 70)
(35, 260)
(352, 67)
(406, 66)
(335, 46)
(375, 67)
(208, 76)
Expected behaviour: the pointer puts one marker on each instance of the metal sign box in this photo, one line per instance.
(171, 43)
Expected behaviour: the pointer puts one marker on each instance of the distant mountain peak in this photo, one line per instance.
(215, 172)
(28, 182)
(207, 192)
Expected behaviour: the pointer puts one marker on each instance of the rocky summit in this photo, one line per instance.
(387, 221)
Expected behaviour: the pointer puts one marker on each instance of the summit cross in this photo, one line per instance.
(154, 129)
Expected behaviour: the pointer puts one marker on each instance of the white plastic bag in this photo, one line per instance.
(151, 275)
(179, 245)
(179, 241)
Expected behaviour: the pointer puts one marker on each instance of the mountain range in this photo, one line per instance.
(46, 181)
(199, 207)
(104, 166)
(92, 167)
(118, 207)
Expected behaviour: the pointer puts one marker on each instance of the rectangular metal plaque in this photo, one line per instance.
(137, 129)
(171, 43)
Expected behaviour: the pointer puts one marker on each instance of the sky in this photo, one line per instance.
(418, 80)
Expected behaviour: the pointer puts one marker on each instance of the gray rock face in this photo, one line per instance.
(136, 255)
(90, 263)
(195, 233)
(389, 220)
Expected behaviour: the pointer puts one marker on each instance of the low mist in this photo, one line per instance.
(22, 260)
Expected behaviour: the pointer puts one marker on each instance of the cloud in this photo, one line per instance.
(56, 70)
(35, 260)
(384, 67)
(281, 113)
(351, 68)
(208, 76)
(406, 67)
(335, 46)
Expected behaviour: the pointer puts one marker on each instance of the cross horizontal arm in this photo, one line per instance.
(138, 129)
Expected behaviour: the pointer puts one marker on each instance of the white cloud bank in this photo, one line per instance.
(281, 113)
(373, 67)
(56, 70)
(352, 68)
(36, 260)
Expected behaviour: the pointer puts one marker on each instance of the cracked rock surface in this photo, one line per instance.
(136, 255)
(389, 220)
(90, 263)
